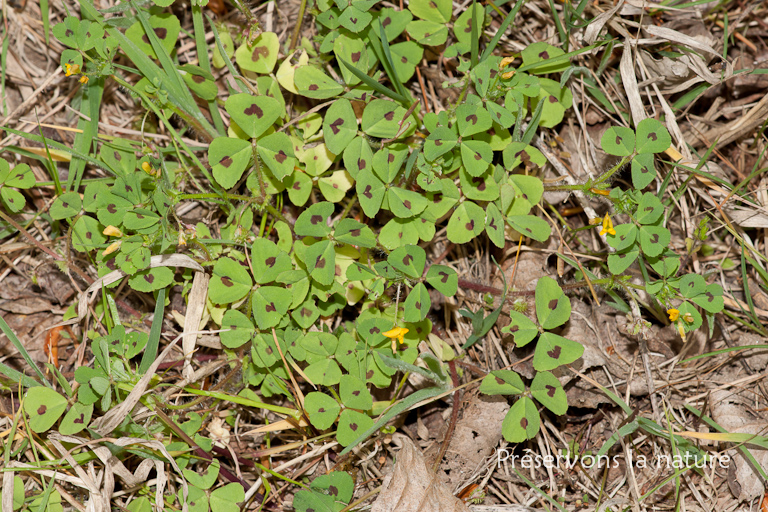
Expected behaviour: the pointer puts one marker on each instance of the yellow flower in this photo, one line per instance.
(600, 191)
(83, 79)
(674, 314)
(112, 231)
(70, 69)
(146, 167)
(112, 248)
(396, 333)
(607, 226)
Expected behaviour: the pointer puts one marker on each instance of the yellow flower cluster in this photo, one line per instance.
(74, 69)
(112, 231)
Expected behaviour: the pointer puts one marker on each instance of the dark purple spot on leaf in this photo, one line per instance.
(253, 110)
(553, 304)
(270, 308)
(227, 282)
(315, 220)
(335, 125)
(259, 52)
(550, 390)
(281, 156)
(555, 352)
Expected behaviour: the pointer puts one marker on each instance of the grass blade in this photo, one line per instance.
(474, 41)
(205, 63)
(23, 351)
(402, 405)
(502, 28)
(375, 85)
(89, 124)
(150, 352)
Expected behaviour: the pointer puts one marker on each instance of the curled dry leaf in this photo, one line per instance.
(413, 487)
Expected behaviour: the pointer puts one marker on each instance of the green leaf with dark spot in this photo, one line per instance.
(643, 170)
(358, 156)
(339, 126)
(276, 151)
(476, 156)
(314, 220)
(44, 407)
(472, 119)
(652, 137)
(381, 118)
(261, 56)
(650, 209)
(521, 422)
(522, 329)
(441, 141)
(354, 233)
(467, 221)
(654, 239)
(553, 307)
(351, 425)
(354, 20)
(66, 205)
(618, 141)
(354, 393)
(324, 372)
(228, 158)
(502, 382)
(417, 304)
(320, 259)
(409, 259)
(77, 418)
(205, 475)
(166, 27)
(370, 192)
(625, 237)
(270, 304)
(548, 391)
(620, 261)
(553, 351)
(87, 234)
(443, 279)
(240, 329)
(437, 11)
(229, 283)
(405, 203)
(530, 226)
(313, 83)
(253, 114)
(322, 409)
(151, 279)
(494, 225)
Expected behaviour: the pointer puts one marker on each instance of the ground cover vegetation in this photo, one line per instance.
(284, 238)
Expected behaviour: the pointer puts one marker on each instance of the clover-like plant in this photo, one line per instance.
(553, 309)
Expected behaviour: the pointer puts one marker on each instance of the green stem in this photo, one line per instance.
(297, 29)
(613, 170)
